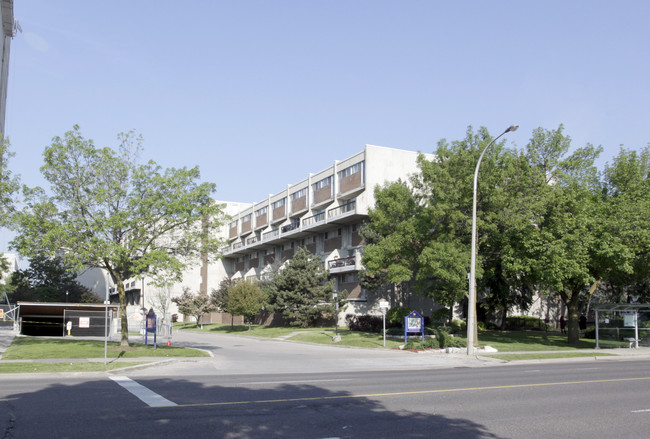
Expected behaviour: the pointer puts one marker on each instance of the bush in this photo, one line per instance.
(525, 322)
(458, 327)
(418, 344)
(365, 323)
(445, 340)
(440, 315)
(395, 316)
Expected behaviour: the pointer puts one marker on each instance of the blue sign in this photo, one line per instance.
(413, 322)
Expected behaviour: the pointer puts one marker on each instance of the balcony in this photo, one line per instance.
(343, 209)
(343, 263)
(252, 240)
(313, 220)
(346, 264)
(295, 225)
(273, 234)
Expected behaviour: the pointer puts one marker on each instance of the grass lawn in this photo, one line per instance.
(548, 355)
(507, 341)
(34, 367)
(30, 348)
(254, 331)
(348, 338)
(510, 341)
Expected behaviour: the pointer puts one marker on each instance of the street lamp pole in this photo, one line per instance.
(471, 304)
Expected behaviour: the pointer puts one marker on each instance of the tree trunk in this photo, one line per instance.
(573, 324)
(504, 320)
(124, 322)
(124, 342)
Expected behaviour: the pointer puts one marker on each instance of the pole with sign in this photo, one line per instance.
(383, 305)
(150, 326)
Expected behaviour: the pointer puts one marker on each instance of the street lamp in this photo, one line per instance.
(471, 304)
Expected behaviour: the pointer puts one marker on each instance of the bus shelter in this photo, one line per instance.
(621, 321)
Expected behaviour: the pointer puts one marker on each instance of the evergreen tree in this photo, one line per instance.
(301, 292)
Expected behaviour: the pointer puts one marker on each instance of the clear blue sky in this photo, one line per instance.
(260, 93)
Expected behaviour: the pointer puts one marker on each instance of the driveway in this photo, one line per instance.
(248, 355)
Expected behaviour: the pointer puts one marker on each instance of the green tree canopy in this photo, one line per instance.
(49, 280)
(301, 292)
(246, 299)
(106, 210)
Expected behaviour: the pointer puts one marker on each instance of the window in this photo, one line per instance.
(261, 211)
(299, 194)
(247, 218)
(323, 183)
(278, 203)
(233, 224)
(351, 170)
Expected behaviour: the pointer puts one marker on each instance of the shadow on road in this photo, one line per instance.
(102, 408)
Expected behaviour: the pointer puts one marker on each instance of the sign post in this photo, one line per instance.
(150, 326)
(383, 305)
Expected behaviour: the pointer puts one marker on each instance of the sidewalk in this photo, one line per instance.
(7, 336)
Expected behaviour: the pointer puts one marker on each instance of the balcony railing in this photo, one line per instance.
(293, 226)
(270, 235)
(313, 219)
(342, 262)
(350, 206)
(237, 245)
(252, 240)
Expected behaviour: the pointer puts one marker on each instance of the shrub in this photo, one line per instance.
(525, 322)
(365, 323)
(395, 316)
(418, 344)
(458, 327)
(440, 315)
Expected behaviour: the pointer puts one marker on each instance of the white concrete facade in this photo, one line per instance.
(322, 213)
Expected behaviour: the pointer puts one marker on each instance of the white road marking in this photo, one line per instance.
(641, 411)
(149, 397)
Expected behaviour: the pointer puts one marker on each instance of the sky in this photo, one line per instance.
(258, 94)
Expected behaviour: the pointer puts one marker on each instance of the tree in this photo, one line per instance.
(301, 291)
(572, 243)
(246, 299)
(108, 211)
(220, 297)
(49, 280)
(420, 230)
(162, 299)
(392, 236)
(194, 305)
(627, 189)
(9, 185)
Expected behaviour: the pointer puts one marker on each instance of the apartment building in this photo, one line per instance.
(323, 213)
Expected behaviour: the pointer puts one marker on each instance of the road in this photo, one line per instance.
(200, 399)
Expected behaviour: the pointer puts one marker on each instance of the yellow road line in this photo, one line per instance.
(417, 392)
